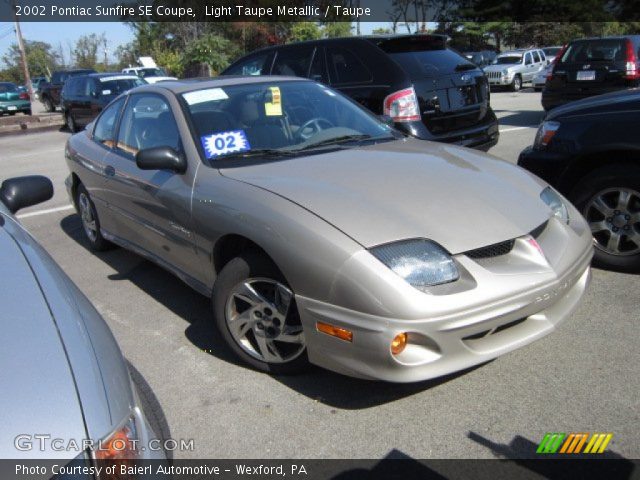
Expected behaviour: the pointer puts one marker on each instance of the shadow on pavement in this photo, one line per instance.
(522, 118)
(321, 385)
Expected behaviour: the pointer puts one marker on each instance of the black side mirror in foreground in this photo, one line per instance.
(161, 158)
(21, 192)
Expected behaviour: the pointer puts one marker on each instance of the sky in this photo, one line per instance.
(66, 33)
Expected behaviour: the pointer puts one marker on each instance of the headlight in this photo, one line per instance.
(421, 263)
(556, 204)
(546, 132)
(505, 72)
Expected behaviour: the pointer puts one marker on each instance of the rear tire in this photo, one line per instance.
(609, 198)
(516, 83)
(256, 314)
(90, 221)
(48, 105)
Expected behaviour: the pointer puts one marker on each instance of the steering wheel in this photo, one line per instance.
(315, 124)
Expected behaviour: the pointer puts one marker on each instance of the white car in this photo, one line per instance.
(149, 74)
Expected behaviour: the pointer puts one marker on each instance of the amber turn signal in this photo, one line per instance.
(341, 333)
(399, 343)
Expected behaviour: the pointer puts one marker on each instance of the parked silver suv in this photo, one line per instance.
(512, 69)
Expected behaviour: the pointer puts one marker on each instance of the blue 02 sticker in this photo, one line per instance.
(218, 144)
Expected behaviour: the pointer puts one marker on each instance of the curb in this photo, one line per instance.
(31, 127)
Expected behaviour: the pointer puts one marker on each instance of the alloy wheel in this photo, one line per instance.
(614, 218)
(262, 321)
(88, 220)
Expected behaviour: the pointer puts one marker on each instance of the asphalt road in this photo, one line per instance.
(581, 378)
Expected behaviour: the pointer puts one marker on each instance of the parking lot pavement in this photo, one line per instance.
(581, 378)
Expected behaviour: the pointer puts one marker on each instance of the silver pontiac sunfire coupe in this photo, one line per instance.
(321, 234)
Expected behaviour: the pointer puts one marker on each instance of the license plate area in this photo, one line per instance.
(12, 108)
(462, 97)
(586, 75)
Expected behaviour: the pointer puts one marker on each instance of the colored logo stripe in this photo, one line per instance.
(550, 443)
(574, 442)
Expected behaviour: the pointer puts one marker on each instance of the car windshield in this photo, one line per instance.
(151, 72)
(508, 60)
(118, 85)
(7, 87)
(278, 118)
(595, 50)
(551, 51)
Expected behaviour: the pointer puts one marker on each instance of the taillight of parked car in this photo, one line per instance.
(631, 68)
(402, 106)
(23, 96)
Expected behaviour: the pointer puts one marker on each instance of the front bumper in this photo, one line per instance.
(546, 164)
(507, 318)
(502, 81)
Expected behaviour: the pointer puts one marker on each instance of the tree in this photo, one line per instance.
(212, 50)
(41, 58)
(381, 31)
(337, 29)
(301, 31)
(86, 50)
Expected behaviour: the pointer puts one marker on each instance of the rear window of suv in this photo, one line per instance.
(422, 58)
(601, 49)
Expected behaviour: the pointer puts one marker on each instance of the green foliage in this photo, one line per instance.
(381, 31)
(337, 29)
(302, 31)
(87, 48)
(41, 59)
(212, 50)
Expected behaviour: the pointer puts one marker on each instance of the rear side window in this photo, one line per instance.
(7, 87)
(293, 61)
(429, 63)
(255, 65)
(602, 49)
(104, 132)
(345, 67)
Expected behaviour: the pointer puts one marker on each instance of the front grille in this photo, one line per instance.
(498, 329)
(494, 75)
(490, 251)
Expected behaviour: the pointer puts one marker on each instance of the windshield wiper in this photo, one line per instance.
(259, 152)
(336, 141)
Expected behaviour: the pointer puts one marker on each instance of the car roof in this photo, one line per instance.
(188, 85)
(110, 74)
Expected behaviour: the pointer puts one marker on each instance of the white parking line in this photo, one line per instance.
(45, 211)
(513, 129)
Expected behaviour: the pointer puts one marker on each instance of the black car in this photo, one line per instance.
(430, 91)
(590, 151)
(50, 91)
(593, 66)
(83, 97)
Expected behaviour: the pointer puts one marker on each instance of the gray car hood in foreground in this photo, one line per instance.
(405, 189)
(38, 392)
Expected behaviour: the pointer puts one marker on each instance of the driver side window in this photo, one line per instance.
(147, 122)
(527, 59)
(105, 125)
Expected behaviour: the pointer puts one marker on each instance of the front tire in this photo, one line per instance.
(609, 199)
(256, 314)
(90, 221)
(516, 83)
(71, 123)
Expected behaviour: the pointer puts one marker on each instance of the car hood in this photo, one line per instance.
(38, 390)
(609, 102)
(409, 188)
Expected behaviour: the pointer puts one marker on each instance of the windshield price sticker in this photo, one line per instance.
(218, 144)
(274, 107)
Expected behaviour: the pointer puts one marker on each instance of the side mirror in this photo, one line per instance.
(21, 192)
(161, 158)
(387, 120)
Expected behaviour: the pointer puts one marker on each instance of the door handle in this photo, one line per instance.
(109, 171)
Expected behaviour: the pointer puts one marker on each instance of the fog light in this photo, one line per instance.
(399, 343)
(341, 333)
